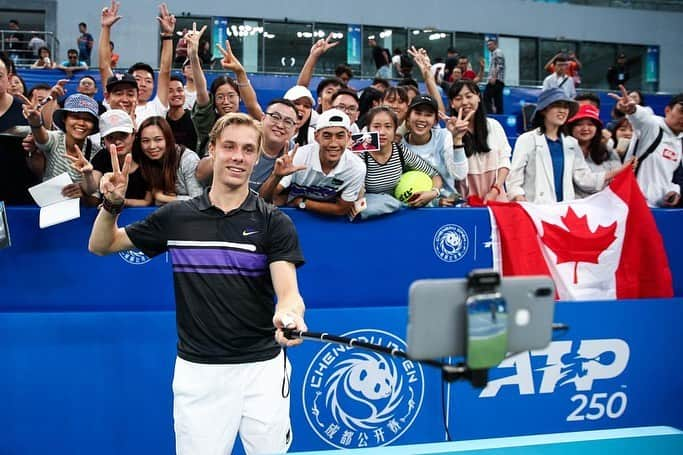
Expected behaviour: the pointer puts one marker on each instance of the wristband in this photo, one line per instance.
(496, 187)
(40, 125)
(438, 191)
(111, 207)
(166, 37)
(246, 84)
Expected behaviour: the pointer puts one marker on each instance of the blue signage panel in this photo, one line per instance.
(219, 33)
(652, 64)
(353, 44)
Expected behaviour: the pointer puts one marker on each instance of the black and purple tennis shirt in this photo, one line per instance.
(223, 289)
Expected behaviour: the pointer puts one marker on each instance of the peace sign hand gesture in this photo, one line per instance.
(113, 185)
(79, 162)
(192, 37)
(110, 15)
(421, 58)
(229, 61)
(322, 45)
(30, 111)
(285, 164)
(166, 20)
(624, 103)
(457, 125)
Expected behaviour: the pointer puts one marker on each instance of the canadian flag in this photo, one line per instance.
(605, 246)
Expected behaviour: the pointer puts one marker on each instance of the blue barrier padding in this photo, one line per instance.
(376, 260)
(100, 382)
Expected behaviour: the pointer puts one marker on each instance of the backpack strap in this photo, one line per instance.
(401, 157)
(88, 149)
(649, 150)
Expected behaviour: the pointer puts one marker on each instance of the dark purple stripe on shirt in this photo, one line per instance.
(216, 271)
(218, 257)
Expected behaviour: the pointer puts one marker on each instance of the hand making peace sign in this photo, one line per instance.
(624, 103)
(229, 61)
(192, 37)
(323, 45)
(110, 15)
(457, 125)
(285, 164)
(166, 20)
(113, 185)
(79, 162)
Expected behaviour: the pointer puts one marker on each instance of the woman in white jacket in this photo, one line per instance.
(546, 164)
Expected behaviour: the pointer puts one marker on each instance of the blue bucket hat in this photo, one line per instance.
(74, 104)
(554, 95)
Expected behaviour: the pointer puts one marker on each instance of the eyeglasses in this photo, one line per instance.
(230, 96)
(286, 121)
(345, 108)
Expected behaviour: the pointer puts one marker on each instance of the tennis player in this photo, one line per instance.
(232, 255)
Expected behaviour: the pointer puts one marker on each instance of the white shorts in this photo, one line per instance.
(212, 403)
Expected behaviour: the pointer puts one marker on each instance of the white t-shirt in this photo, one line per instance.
(150, 109)
(190, 98)
(345, 180)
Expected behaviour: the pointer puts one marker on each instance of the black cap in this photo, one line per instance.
(425, 100)
(121, 79)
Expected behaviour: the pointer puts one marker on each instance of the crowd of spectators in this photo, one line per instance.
(305, 158)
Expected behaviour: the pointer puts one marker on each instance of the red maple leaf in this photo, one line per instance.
(577, 243)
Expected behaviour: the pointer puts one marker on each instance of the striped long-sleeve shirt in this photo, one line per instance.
(383, 177)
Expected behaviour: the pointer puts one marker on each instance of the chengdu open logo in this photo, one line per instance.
(135, 257)
(358, 398)
(451, 243)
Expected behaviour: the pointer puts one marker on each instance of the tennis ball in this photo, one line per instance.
(410, 183)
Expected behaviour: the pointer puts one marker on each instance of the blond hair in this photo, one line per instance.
(231, 119)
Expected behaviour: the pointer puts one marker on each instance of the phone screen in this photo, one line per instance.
(486, 330)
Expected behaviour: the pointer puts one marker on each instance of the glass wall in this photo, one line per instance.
(528, 61)
(329, 61)
(389, 38)
(550, 48)
(636, 57)
(435, 42)
(183, 24)
(282, 47)
(471, 45)
(288, 48)
(595, 58)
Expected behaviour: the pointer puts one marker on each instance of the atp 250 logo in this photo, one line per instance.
(577, 364)
(356, 398)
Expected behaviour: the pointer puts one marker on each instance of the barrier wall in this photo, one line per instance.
(88, 344)
(366, 264)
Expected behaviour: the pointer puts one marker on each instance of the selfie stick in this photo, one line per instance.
(450, 372)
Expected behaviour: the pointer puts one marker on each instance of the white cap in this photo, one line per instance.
(297, 92)
(115, 121)
(333, 117)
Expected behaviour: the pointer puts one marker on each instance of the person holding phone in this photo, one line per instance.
(386, 165)
(234, 261)
(44, 61)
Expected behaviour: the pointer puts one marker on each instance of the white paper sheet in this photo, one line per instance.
(60, 212)
(55, 208)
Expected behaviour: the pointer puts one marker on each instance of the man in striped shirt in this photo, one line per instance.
(232, 255)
